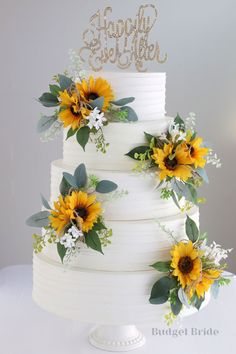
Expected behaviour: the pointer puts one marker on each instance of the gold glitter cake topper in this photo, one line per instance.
(121, 42)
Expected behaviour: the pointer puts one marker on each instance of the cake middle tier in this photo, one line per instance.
(135, 199)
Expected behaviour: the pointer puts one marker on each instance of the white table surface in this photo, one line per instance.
(26, 329)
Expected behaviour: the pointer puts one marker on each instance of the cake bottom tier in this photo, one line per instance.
(99, 297)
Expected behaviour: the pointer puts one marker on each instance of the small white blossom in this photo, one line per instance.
(176, 133)
(96, 119)
(76, 233)
(76, 66)
(190, 121)
(71, 237)
(215, 252)
(213, 159)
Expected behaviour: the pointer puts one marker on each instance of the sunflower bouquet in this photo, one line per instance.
(193, 268)
(178, 157)
(85, 106)
(76, 219)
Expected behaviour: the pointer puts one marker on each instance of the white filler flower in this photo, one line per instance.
(70, 238)
(96, 119)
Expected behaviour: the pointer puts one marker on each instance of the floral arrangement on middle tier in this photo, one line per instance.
(194, 267)
(76, 219)
(178, 157)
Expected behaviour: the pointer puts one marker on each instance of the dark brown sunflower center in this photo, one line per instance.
(81, 212)
(92, 96)
(191, 149)
(171, 164)
(185, 265)
(74, 111)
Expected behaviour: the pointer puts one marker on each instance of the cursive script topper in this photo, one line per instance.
(121, 42)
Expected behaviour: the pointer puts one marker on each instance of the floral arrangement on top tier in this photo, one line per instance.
(179, 156)
(76, 218)
(193, 268)
(86, 104)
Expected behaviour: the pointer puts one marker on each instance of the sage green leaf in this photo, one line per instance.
(80, 176)
(197, 302)
(64, 187)
(99, 102)
(70, 133)
(149, 137)
(55, 89)
(99, 226)
(106, 186)
(178, 120)
(45, 122)
(64, 82)
(45, 202)
(92, 240)
(61, 251)
(161, 266)
(123, 101)
(82, 136)
(202, 173)
(177, 305)
(132, 116)
(138, 150)
(175, 200)
(191, 229)
(39, 219)
(70, 179)
(161, 290)
(48, 100)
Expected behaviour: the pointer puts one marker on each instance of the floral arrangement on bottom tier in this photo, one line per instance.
(178, 157)
(193, 268)
(76, 219)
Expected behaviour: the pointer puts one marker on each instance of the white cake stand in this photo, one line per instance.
(116, 338)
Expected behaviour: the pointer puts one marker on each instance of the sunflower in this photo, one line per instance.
(61, 216)
(196, 153)
(172, 165)
(207, 279)
(94, 88)
(85, 209)
(73, 111)
(186, 263)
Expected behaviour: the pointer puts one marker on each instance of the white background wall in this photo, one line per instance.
(200, 39)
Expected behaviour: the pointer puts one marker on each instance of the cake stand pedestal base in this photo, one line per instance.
(116, 338)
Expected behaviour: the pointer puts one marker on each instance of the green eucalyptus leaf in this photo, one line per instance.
(202, 173)
(82, 136)
(149, 137)
(177, 305)
(123, 101)
(64, 82)
(178, 120)
(61, 251)
(64, 187)
(175, 200)
(99, 102)
(99, 226)
(162, 266)
(70, 133)
(45, 122)
(197, 302)
(48, 100)
(137, 150)
(161, 290)
(55, 89)
(45, 202)
(80, 176)
(106, 186)
(191, 229)
(70, 179)
(92, 240)
(39, 219)
(132, 116)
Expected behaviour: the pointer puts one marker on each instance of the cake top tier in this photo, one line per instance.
(148, 89)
